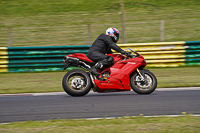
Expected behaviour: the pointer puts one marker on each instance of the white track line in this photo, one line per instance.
(63, 93)
(196, 115)
(178, 89)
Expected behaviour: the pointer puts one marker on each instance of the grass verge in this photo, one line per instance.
(180, 124)
(43, 23)
(52, 81)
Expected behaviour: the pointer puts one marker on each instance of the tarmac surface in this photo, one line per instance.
(59, 105)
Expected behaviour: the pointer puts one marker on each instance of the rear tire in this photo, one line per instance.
(141, 87)
(76, 82)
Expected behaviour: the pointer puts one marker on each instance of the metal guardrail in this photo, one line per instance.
(168, 54)
(50, 58)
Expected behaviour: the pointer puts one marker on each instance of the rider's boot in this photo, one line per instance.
(95, 67)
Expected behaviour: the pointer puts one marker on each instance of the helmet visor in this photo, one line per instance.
(117, 35)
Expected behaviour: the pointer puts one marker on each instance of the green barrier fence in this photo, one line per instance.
(192, 56)
(50, 58)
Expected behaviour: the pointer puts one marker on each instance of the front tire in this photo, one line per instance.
(76, 82)
(142, 87)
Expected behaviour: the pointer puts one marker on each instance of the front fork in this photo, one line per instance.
(141, 73)
(95, 88)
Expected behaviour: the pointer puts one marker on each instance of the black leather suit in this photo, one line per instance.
(101, 46)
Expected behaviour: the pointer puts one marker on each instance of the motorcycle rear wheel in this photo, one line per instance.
(76, 82)
(142, 87)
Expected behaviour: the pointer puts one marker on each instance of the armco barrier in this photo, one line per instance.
(192, 55)
(168, 54)
(50, 58)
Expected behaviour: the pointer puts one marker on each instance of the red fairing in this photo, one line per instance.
(117, 57)
(120, 72)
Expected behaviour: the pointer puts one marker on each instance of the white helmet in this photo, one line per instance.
(113, 33)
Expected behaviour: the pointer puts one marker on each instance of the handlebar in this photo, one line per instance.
(132, 56)
(137, 54)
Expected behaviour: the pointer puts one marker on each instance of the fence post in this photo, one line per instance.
(89, 37)
(122, 21)
(10, 37)
(162, 26)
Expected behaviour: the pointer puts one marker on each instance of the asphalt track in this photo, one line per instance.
(49, 106)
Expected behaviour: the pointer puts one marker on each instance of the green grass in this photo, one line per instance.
(19, 8)
(177, 77)
(181, 124)
(52, 81)
(181, 17)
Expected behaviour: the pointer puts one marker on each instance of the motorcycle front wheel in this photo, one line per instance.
(143, 87)
(76, 82)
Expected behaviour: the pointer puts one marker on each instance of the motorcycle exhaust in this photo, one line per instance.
(71, 60)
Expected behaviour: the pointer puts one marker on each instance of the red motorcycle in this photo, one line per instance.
(124, 74)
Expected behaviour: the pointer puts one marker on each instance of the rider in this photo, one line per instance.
(103, 45)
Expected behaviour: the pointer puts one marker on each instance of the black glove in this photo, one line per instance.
(122, 51)
(128, 54)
